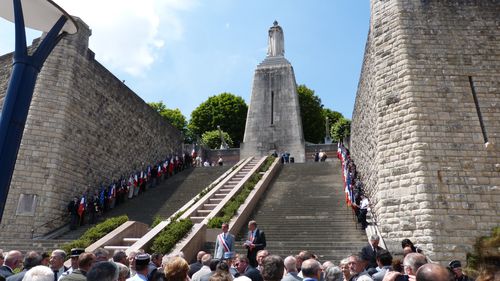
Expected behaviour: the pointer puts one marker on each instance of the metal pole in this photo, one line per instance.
(19, 93)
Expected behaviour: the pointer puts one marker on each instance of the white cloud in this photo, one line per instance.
(129, 35)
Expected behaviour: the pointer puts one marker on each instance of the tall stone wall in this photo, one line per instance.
(84, 127)
(426, 131)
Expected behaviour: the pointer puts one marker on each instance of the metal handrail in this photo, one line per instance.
(60, 218)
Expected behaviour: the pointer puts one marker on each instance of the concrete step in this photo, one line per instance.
(130, 241)
(116, 248)
(304, 209)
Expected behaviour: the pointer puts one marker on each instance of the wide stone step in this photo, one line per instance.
(304, 209)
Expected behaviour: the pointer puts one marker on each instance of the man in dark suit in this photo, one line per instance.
(194, 267)
(31, 259)
(245, 269)
(13, 260)
(256, 241)
(369, 252)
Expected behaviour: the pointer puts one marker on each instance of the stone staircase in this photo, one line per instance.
(197, 212)
(162, 200)
(305, 209)
(213, 201)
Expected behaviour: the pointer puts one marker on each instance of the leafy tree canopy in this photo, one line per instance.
(341, 129)
(333, 116)
(174, 116)
(212, 139)
(227, 110)
(311, 112)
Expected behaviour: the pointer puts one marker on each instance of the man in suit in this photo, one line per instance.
(31, 260)
(57, 259)
(256, 241)
(311, 269)
(194, 267)
(369, 252)
(384, 261)
(224, 243)
(291, 270)
(245, 269)
(13, 260)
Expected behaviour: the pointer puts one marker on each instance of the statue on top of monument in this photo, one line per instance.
(276, 46)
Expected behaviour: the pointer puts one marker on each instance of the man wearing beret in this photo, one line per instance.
(456, 267)
(141, 268)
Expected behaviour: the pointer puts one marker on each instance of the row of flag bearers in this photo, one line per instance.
(90, 205)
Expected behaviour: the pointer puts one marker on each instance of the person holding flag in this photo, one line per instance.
(224, 243)
(81, 209)
(130, 186)
(112, 195)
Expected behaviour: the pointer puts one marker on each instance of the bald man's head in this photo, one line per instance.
(434, 272)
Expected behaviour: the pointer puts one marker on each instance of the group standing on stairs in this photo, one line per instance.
(94, 203)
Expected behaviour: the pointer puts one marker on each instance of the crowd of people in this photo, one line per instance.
(372, 263)
(353, 186)
(87, 207)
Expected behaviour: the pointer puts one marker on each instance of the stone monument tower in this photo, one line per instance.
(425, 131)
(273, 120)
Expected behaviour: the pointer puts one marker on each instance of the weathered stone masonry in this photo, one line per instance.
(416, 133)
(84, 126)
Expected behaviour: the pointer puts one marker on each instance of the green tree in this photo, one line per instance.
(227, 110)
(333, 116)
(212, 139)
(173, 116)
(311, 112)
(341, 129)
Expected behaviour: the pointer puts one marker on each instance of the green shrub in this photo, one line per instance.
(234, 204)
(485, 253)
(156, 221)
(172, 234)
(95, 233)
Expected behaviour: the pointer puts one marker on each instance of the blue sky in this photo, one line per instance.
(183, 51)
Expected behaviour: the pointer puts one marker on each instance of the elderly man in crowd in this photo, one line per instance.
(357, 268)
(311, 270)
(291, 270)
(57, 259)
(13, 260)
(31, 259)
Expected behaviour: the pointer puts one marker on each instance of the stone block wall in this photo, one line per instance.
(418, 138)
(273, 119)
(84, 127)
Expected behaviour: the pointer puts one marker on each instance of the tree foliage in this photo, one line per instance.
(227, 110)
(341, 129)
(311, 112)
(212, 139)
(173, 116)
